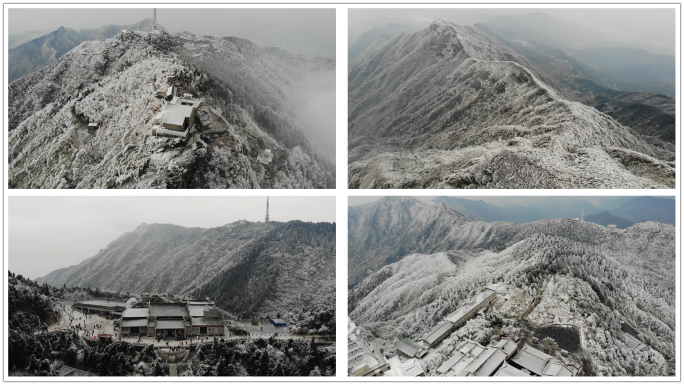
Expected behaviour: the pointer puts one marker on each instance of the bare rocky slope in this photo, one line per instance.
(242, 266)
(453, 107)
(250, 97)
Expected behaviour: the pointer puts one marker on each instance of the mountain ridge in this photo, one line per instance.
(454, 97)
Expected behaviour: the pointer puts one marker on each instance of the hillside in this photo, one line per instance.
(383, 232)
(650, 115)
(244, 267)
(249, 103)
(32, 353)
(577, 284)
(30, 52)
(453, 107)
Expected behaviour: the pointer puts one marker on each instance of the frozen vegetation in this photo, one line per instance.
(33, 352)
(545, 273)
(453, 107)
(253, 268)
(250, 99)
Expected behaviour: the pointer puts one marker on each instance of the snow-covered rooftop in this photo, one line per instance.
(508, 370)
(197, 310)
(470, 304)
(408, 368)
(542, 364)
(103, 303)
(134, 323)
(168, 309)
(444, 327)
(490, 360)
(532, 359)
(207, 321)
(410, 348)
(170, 324)
(132, 313)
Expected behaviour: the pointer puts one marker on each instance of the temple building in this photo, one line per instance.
(178, 320)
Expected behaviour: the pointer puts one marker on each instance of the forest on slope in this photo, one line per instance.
(33, 352)
(453, 107)
(598, 293)
(256, 102)
(252, 268)
(372, 243)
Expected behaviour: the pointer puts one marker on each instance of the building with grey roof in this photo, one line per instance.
(489, 361)
(178, 320)
(438, 333)
(363, 359)
(472, 306)
(410, 348)
(101, 307)
(542, 364)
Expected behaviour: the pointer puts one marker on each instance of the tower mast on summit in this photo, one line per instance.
(267, 219)
(154, 16)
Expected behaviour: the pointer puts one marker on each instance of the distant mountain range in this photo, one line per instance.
(606, 219)
(31, 51)
(243, 266)
(385, 231)
(623, 212)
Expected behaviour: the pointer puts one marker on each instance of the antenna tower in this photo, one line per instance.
(582, 215)
(154, 16)
(267, 219)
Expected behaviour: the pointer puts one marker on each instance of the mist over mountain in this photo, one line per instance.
(242, 266)
(253, 99)
(369, 37)
(645, 208)
(605, 218)
(453, 107)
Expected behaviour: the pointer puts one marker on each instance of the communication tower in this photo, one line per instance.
(267, 219)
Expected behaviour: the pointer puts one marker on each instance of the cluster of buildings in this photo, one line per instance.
(363, 359)
(178, 320)
(508, 356)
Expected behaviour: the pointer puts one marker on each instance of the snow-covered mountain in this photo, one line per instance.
(385, 231)
(34, 51)
(453, 107)
(580, 273)
(251, 101)
(242, 266)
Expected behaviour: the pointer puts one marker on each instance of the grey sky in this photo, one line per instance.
(306, 31)
(500, 201)
(47, 233)
(647, 28)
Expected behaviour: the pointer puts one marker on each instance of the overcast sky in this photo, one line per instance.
(47, 233)
(645, 27)
(500, 201)
(306, 31)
